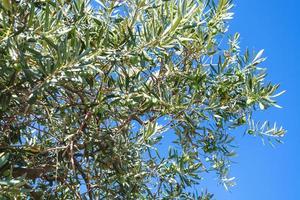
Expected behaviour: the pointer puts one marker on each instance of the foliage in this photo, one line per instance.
(91, 92)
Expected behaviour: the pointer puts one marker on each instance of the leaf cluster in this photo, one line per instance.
(91, 89)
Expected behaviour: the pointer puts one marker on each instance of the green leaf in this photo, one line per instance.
(6, 4)
(3, 159)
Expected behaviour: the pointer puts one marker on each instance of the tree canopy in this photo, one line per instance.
(94, 92)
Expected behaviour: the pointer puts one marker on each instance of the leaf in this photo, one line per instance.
(176, 21)
(276, 105)
(6, 4)
(3, 159)
(258, 58)
(258, 55)
(261, 106)
(13, 182)
(278, 94)
(150, 130)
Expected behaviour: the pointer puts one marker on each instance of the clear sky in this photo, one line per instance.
(263, 172)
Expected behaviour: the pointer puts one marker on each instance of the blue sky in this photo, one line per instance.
(264, 172)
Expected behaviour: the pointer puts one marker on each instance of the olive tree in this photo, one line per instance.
(94, 92)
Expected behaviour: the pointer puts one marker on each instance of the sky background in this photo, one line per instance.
(263, 172)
